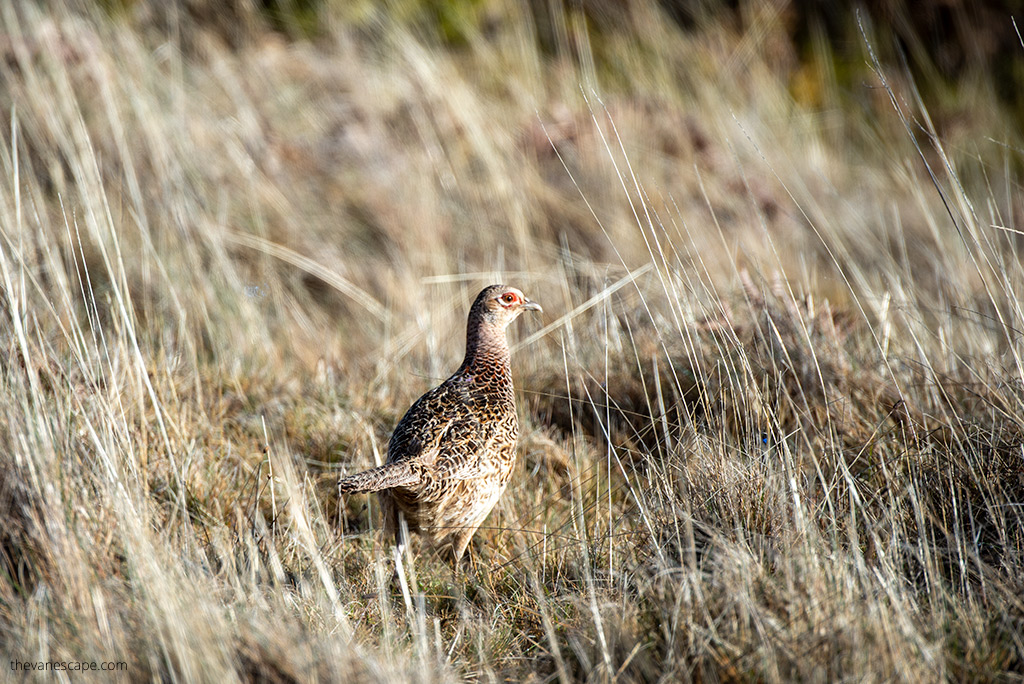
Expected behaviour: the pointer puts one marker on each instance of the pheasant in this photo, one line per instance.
(452, 453)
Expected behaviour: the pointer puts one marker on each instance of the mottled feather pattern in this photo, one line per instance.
(382, 477)
(452, 453)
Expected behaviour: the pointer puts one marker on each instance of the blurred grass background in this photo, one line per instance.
(772, 416)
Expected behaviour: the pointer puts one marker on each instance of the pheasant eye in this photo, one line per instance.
(508, 298)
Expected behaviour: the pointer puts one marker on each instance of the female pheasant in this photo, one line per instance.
(452, 453)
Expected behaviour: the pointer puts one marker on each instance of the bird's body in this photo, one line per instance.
(452, 453)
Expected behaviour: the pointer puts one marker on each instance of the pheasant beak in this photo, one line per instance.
(531, 306)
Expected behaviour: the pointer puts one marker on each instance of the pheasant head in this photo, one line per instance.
(495, 307)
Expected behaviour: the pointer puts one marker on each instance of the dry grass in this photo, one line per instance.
(773, 419)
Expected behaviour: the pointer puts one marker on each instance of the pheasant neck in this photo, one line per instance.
(487, 355)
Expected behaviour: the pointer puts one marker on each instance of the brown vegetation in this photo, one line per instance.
(772, 422)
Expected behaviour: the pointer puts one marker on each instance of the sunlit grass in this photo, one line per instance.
(771, 419)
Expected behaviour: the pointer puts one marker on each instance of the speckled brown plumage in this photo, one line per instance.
(451, 455)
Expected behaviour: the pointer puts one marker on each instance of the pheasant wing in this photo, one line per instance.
(461, 449)
(441, 432)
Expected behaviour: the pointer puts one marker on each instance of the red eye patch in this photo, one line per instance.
(509, 298)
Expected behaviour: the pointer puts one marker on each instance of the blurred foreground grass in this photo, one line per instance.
(772, 420)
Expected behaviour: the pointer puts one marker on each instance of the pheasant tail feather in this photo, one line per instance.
(381, 477)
